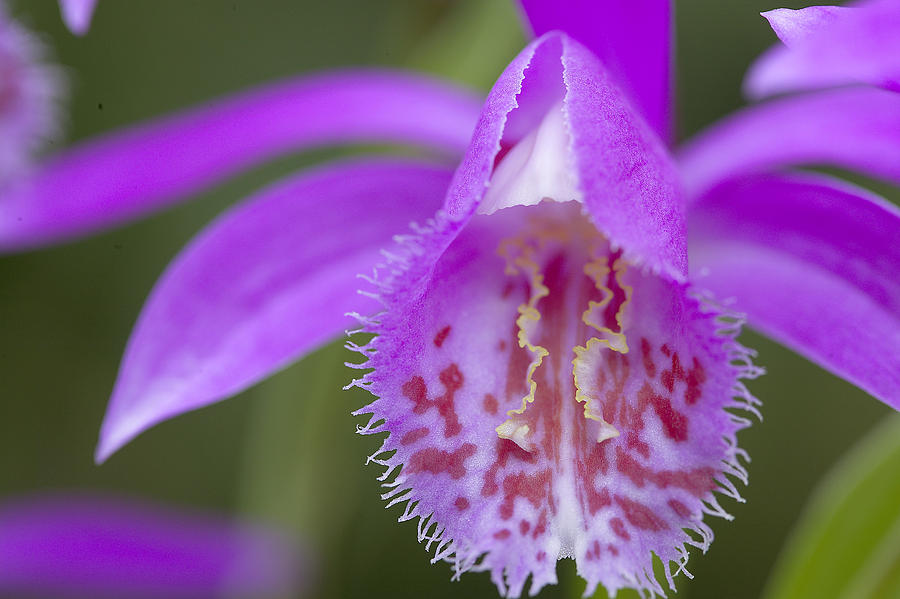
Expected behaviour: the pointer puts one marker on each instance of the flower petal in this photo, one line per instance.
(90, 546)
(814, 264)
(29, 92)
(858, 129)
(828, 46)
(77, 14)
(111, 179)
(629, 182)
(268, 281)
(633, 38)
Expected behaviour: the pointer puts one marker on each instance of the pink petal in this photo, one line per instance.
(629, 182)
(796, 26)
(268, 281)
(77, 14)
(827, 46)
(858, 129)
(633, 38)
(126, 174)
(84, 546)
(490, 319)
(815, 264)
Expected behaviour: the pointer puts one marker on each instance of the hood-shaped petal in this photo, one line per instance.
(633, 38)
(856, 129)
(815, 264)
(77, 14)
(630, 183)
(81, 545)
(827, 46)
(123, 175)
(628, 180)
(266, 282)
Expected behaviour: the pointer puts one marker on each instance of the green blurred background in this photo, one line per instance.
(285, 451)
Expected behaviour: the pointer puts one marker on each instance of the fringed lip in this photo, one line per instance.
(449, 366)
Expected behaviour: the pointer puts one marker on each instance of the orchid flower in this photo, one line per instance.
(555, 374)
(83, 545)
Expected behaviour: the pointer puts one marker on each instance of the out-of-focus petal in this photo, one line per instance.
(794, 26)
(826, 46)
(633, 38)
(29, 90)
(77, 14)
(87, 546)
(857, 129)
(628, 181)
(128, 173)
(268, 281)
(814, 264)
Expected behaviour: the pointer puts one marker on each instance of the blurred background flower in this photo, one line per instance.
(93, 546)
(66, 311)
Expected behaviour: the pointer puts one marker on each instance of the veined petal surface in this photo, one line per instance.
(547, 399)
(633, 38)
(630, 183)
(815, 264)
(268, 281)
(828, 46)
(77, 14)
(88, 546)
(856, 129)
(123, 175)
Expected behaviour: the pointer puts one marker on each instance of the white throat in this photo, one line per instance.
(539, 167)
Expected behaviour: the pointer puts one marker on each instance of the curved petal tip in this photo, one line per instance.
(77, 14)
(268, 281)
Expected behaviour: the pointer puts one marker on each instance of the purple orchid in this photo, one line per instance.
(555, 375)
(81, 545)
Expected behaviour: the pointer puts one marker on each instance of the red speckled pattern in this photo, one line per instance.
(451, 368)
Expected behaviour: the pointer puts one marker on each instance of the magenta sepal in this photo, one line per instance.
(856, 129)
(633, 38)
(268, 281)
(813, 262)
(121, 176)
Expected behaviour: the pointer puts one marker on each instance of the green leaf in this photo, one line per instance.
(847, 544)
